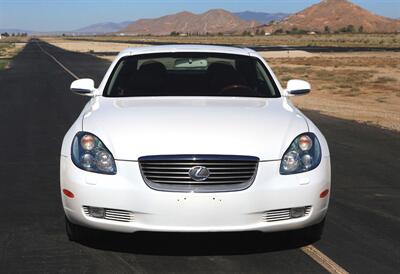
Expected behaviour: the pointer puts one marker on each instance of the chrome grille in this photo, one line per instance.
(282, 214)
(114, 214)
(171, 172)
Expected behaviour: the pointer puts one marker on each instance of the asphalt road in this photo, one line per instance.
(36, 109)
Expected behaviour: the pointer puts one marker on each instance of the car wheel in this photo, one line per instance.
(74, 232)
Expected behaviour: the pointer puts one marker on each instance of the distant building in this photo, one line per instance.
(311, 32)
(267, 34)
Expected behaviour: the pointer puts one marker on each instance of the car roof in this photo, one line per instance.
(185, 48)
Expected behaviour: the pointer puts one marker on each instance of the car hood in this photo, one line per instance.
(135, 127)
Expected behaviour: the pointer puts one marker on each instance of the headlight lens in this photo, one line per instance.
(90, 154)
(303, 154)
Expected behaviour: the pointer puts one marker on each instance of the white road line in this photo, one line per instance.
(323, 260)
(58, 62)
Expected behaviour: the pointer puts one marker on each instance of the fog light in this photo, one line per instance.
(297, 212)
(96, 212)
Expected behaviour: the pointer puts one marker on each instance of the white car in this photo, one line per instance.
(193, 138)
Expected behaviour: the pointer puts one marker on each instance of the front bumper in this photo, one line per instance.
(154, 210)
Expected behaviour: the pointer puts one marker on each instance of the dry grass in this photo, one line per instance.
(88, 46)
(5, 48)
(3, 63)
(359, 87)
(335, 40)
(15, 39)
(8, 48)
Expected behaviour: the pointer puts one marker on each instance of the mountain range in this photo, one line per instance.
(325, 16)
(212, 21)
(109, 27)
(335, 15)
(101, 28)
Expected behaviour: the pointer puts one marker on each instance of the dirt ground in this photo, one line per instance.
(8, 49)
(91, 46)
(386, 40)
(356, 86)
(360, 86)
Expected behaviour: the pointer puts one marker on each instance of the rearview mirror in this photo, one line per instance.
(83, 87)
(297, 87)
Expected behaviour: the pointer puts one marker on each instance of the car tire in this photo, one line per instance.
(74, 232)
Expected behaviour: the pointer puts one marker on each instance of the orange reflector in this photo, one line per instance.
(68, 193)
(324, 193)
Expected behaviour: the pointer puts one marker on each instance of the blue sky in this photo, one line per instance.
(52, 15)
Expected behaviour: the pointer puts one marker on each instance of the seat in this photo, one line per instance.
(221, 75)
(150, 77)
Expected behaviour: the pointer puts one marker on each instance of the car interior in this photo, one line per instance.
(201, 77)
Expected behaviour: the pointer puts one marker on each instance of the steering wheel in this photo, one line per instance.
(235, 87)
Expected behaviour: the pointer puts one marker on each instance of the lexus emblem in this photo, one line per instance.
(199, 173)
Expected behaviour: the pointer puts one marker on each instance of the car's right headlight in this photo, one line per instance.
(89, 153)
(303, 154)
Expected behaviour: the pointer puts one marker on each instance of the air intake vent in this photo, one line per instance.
(198, 173)
(283, 214)
(112, 214)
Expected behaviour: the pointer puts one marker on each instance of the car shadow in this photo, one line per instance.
(196, 244)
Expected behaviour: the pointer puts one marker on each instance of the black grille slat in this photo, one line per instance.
(188, 178)
(231, 172)
(165, 172)
(197, 164)
(168, 177)
(213, 176)
(171, 172)
(197, 183)
(186, 172)
(186, 168)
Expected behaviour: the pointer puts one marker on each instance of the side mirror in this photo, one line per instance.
(83, 87)
(297, 87)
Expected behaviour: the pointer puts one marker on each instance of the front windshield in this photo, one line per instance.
(190, 74)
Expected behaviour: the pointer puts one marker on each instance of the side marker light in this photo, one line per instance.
(68, 193)
(324, 193)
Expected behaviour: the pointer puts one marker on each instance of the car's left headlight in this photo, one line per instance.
(303, 154)
(89, 153)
